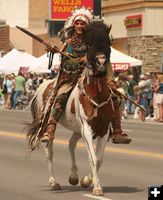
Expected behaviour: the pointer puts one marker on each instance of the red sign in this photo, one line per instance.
(134, 21)
(120, 66)
(61, 9)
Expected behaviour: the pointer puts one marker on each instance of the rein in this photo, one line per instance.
(98, 105)
(93, 102)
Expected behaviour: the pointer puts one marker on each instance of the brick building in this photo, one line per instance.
(31, 15)
(4, 37)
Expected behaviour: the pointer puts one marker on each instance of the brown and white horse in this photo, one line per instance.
(88, 111)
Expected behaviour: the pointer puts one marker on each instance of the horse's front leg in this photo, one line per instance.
(88, 138)
(49, 156)
(100, 147)
(73, 179)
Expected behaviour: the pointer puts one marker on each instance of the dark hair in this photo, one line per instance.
(20, 73)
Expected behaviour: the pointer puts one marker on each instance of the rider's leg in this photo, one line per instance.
(54, 117)
(118, 135)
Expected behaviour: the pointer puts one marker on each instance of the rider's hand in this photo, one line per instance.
(112, 85)
(52, 48)
(83, 60)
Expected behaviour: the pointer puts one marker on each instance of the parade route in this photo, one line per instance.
(126, 173)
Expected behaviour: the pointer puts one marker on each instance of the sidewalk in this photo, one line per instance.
(130, 118)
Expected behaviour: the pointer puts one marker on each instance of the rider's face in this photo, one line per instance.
(79, 26)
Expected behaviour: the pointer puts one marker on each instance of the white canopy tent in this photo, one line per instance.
(122, 62)
(15, 59)
(42, 64)
(119, 60)
(12, 61)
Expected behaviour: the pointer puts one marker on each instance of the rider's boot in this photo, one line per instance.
(118, 136)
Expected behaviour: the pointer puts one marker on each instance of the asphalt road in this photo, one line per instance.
(126, 173)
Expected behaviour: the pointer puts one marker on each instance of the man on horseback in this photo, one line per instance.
(70, 71)
(72, 36)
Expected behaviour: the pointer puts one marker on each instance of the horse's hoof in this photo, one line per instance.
(73, 181)
(97, 192)
(55, 186)
(85, 182)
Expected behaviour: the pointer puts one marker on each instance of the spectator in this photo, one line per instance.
(122, 81)
(145, 88)
(148, 90)
(159, 99)
(1, 81)
(19, 87)
(1, 99)
(35, 81)
(155, 106)
(139, 100)
(29, 85)
(131, 95)
(123, 112)
(13, 90)
(7, 95)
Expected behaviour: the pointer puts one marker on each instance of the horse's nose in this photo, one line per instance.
(100, 62)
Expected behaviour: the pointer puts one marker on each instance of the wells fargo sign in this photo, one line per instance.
(134, 21)
(61, 9)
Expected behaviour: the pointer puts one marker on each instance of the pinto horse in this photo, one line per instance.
(88, 112)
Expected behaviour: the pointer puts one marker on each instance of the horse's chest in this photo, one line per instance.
(97, 118)
(100, 123)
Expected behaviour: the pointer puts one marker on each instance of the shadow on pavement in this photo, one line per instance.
(106, 189)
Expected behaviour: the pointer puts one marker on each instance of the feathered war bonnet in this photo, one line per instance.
(83, 14)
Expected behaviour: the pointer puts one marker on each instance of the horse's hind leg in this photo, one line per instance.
(49, 156)
(73, 179)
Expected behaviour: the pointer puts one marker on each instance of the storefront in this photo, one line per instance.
(137, 29)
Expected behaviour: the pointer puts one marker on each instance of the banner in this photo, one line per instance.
(120, 66)
(61, 9)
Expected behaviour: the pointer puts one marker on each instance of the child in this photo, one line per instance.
(1, 99)
(139, 100)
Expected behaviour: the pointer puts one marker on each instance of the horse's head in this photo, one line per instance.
(98, 43)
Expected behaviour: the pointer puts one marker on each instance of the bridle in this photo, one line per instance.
(99, 65)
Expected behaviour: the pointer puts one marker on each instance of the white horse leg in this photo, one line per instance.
(49, 156)
(87, 137)
(100, 147)
(73, 179)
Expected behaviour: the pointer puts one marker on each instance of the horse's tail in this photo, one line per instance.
(33, 127)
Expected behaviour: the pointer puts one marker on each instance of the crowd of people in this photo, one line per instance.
(146, 92)
(13, 87)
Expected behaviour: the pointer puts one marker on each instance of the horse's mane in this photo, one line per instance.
(97, 39)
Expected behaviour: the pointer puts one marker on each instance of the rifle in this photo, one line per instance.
(125, 97)
(47, 44)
